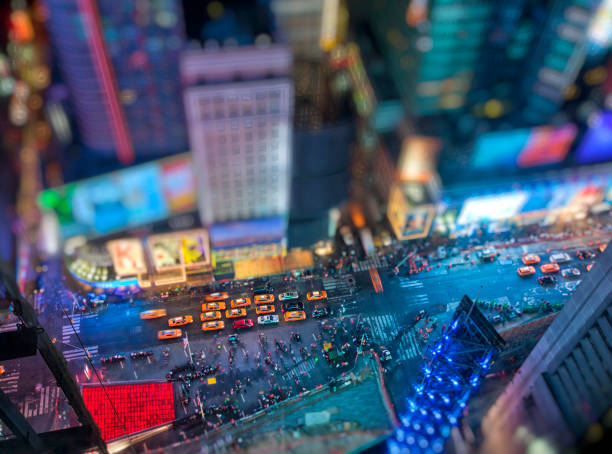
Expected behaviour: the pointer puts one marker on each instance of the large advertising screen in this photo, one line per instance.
(194, 246)
(491, 207)
(165, 251)
(134, 196)
(523, 148)
(128, 256)
(596, 146)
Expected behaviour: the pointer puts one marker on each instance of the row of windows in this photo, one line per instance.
(221, 107)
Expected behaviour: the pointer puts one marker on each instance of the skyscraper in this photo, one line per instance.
(431, 49)
(239, 105)
(120, 62)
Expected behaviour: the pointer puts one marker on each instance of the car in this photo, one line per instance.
(112, 359)
(547, 280)
(243, 323)
(288, 296)
(496, 318)
(385, 355)
(292, 306)
(216, 296)
(264, 298)
(487, 255)
(560, 257)
(141, 354)
(3, 370)
(97, 300)
(180, 321)
(316, 295)
(570, 272)
(294, 316)
(320, 312)
(603, 247)
(213, 325)
(214, 306)
(235, 313)
(526, 271)
(385, 237)
(164, 295)
(549, 268)
(265, 309)
(267, 288)
(241, 302)
(589, 267)
(209, 316)
(153, 313)
(531, 259)
(267, 320)
(169, 333)
(585, 254)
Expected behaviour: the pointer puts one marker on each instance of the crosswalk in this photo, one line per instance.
(383, 327)
(416, 300)
(371, 262)
(333, 285)
(78, 353)
(410, 283)
(40, 405)
(408, 346)
(304, 367)
(68, 330)
(9, 382)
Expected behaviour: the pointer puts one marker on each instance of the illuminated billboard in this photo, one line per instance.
(194, 246)
(597, 143)
(165, 251)
(533, 147)
(128, 256)
(492, 207)
(134, 196)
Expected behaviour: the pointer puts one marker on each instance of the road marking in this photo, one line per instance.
(383, 327)
(9, 382)
(78, 353)
(409, 283)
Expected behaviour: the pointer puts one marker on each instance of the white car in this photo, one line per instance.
(560, 257)
(288, 296)
(267, 319)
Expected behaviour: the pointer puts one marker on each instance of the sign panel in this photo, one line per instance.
(130, 197)
(195, 249)
(165, 251)
(128, 256)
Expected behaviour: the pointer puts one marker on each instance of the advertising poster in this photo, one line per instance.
(195, 247)
(178, 184)
(128, 256)
(165, 251)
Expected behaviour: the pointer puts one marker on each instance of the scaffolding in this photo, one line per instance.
(453, 370)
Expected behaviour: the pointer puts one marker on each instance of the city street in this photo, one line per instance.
(249, 380)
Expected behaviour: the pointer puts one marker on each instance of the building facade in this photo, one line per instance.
(565, 384)
(239, 105)
(120, 63)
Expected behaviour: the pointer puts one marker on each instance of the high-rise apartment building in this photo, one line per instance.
(120, 63)
(239, 105)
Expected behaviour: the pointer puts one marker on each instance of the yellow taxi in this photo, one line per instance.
(180, 321)
(531, 259)
(213, 326)
(208, 316)
(316, 295)
(549, 268)
(153, 313)
(295, 316)
(526, 271)
(241, 302)
(265, 298)
(235, 313)
(217, 296)
(169, 334)
(265, 309)
(213, 306)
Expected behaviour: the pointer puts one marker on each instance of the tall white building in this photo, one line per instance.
(239, 106)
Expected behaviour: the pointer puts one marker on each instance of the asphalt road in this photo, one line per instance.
(117, 328)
